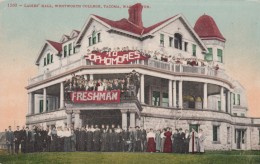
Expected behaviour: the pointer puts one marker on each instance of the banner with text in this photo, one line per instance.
(115, 57)
(95, 96)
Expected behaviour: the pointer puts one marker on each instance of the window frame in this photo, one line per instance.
(162, 40)
(194, 50)
(220, 55)
(69, 49)
(65, 52)
(238, 99)
(209, 54)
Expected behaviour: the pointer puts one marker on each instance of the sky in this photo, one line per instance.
(23, 31)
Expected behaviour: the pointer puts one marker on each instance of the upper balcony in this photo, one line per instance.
(180, 69)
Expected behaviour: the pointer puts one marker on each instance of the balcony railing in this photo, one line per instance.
(178, 68)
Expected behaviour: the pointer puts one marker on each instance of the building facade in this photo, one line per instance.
(165, 75)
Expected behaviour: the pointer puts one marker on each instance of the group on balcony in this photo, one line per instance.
(128, 86)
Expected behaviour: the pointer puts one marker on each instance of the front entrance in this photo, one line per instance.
(99, 117)
(240, 138)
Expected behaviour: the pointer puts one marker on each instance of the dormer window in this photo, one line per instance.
(70, 49)
(178, 41)
(48, 59)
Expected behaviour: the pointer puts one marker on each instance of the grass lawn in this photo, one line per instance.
(217, 157)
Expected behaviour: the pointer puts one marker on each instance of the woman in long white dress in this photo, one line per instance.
(201, 139)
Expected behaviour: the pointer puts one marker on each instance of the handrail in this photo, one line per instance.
(173, 67)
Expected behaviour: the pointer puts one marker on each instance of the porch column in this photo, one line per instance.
(180, 94)
(44, 100)
(205, 96)
(170, 93)
(77, 119)
(142, 88)
(61, 95)
(174, 94)
(30, 103)
(132, 119)
(222, 99)
(69, 118)
(228, 102)
(124, 119)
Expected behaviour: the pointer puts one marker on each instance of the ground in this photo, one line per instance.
(217, 157)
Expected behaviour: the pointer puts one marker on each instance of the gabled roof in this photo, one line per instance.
(207, 28)
(135, 27)
(126, 25)
(57, 47)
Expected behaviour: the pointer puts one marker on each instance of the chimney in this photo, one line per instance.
(135, 14)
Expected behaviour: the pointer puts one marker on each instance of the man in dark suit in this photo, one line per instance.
(27, 140)
(23, 142)
(17, 140)
(10, 140)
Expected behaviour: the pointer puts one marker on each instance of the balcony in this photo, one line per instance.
(150, 63)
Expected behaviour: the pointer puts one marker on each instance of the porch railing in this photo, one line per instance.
(179, 68)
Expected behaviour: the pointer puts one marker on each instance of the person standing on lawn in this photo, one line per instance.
(10, 140)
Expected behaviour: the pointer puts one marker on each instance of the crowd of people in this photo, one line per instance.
(104, 139)
(128, 85)
(162, 56)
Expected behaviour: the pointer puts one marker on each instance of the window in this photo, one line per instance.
(235, 114)
(70, 48)
(209, 55)
(44, 62)
(161, 39)
(41, 106)
(48, 58)
(51, 58)
(220, 57)
(215, 133)
(234, 99)
(65, 51)
(156, 98)
(94, 37)
(178, 41)
(170, 41)
(228, 135)
(186, 46)
(165, 100)
(219, 105)
(242, 114)
(238, 99)
(243, 136)
(89, 41)
(98, 37)
(193, 50)
(47, 105)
